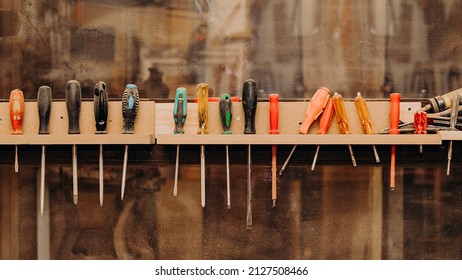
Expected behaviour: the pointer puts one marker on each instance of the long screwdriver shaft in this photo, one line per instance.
(124, 173)
(16, 160)
(175, 184)
(228, 182)
(75, 186)
(202, 175)
(101, 176)
(376, 154)
(313, 165)
(42, 181)
(283, 168)
(249, 188)
(352, 155)
(448, 169)
(273, 174)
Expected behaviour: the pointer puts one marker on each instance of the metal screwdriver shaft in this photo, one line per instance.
(452, 126)
(17, 116)
(73, 102)
(202, 111)
(130, 104)
(101, 107)
(179, 117)
(226, 116)
(249, 102)
(44, 96)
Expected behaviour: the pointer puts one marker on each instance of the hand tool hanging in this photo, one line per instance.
(101, 108)
(274, 129)
(365, 118)
(180, 111)
(452, 126)
(16, 116)
(44, 96)
(202, 113)
(315, 107)
(249, 103)
(324, 124)
(226, 116)
(394, 121)
(130, 104)
(342, 119)
(73, 102)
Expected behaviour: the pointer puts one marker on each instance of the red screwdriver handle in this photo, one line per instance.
(420, 122)
(395, 99)
(326, 117)
(274, 113)
(315, 107)
(16, 111)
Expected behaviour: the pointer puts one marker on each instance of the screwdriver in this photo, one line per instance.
(365, 118)
(130, 104)
(100, 101)
(180, 111)
(441, 102)
(73, 102)
(274, 129)
(342, 119)
(249, 103)
(315, 107)
(452, 126)
(202, 113)
(16, 116)
(394, 121)
(226, 116)
(44, 108)
(324, 124)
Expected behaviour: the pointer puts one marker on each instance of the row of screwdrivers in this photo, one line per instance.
(130, 104)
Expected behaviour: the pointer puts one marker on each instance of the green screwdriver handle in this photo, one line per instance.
(226, 112)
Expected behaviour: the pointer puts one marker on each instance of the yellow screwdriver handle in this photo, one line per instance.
(340, 113)
(203, 107)
(364, 115)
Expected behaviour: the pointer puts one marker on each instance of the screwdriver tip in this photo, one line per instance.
(76, 199)
(281, 172)
(228, 206)
(274, 203)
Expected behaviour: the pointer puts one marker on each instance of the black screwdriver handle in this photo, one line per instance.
(249, 102)
(44, 96)
(73, 102)
(101, 107)
(130, 104)
(226, 112)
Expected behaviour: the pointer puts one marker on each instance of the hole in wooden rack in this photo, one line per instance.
(238, 118)
(61, 117)
(299, 123)
(409, 109)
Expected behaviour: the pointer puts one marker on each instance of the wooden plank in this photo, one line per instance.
(450, 135)
(80, 139)
(334, 139)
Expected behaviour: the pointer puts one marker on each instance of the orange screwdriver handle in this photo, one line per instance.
(420, 122)
(364, 115)
(326, 117)
(315, 108)
(274, 113)
(341, 114)
(395, 99)
(16, 111)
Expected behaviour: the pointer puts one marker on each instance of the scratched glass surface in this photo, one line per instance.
(288, 46)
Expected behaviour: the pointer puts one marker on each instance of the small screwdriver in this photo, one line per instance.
(315, 107)
(73, 102)
(226, 116)
(16, 116)
(452, 126)
(324, 124)
(130, 104)
(44, 108)
(365, 118)
(249, 103)
(180, 111)
(202, 112)
(394, 122)
(100, 101)
(274, 129)
(342, 119)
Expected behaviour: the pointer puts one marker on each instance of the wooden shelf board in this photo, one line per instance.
(78, 139)
(331, 139)
(450, 135)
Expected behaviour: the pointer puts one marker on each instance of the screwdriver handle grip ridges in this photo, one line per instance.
(315, 107)
(130, 104)
(203, 107)
(180, 110)
(341, 113)
(249, 102)
(420, 122)
(73, 103)
(16, 111)
(44, 97)
(326, 117)
(100, 101)
(226, 112)
(364, 115)
(274, 113)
